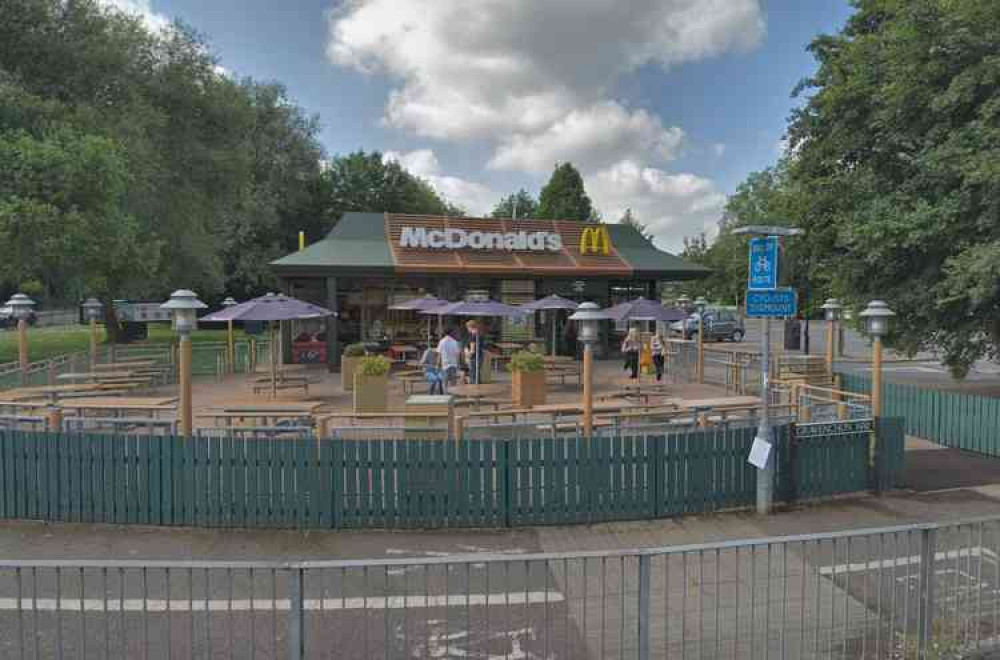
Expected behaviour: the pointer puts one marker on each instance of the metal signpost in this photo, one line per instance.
(765, 300)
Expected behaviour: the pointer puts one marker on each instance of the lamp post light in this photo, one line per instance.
(21, 306)
(876, 317)
(684, 303)
(831, 309)
(93, 309)
(588, 318)
(230, 337)
(700, 304)
(184, 305)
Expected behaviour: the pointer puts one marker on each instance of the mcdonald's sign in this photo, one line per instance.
(595, 240)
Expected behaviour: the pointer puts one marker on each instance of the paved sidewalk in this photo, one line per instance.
(78, 540)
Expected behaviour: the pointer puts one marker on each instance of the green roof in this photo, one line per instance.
(648, 260)
(356, 242)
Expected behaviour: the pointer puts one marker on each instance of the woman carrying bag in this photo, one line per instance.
(630, 349)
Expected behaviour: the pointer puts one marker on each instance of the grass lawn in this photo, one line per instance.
(48, 342)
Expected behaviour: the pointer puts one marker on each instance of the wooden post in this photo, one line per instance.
(459, 430)
(55, 419)
(701, 348)
(877, 377)
(838, 383)
(876, 400)
(231, 347)
(93, 344)
(588, 390)
(51, 368)
(185, 386)
(22, 348)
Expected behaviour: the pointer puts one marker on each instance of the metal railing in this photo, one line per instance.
(910, 591)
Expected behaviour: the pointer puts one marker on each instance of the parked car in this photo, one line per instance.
(719, 326)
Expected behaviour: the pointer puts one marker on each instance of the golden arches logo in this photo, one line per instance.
(594, 240)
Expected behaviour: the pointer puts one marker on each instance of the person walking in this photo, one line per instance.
(658, 346)
(451, 352)
(431, 362)
(630, 349)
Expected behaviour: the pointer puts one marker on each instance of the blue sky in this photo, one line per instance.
(664, 105)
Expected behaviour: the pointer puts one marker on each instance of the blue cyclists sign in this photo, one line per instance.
(763, 263)
(777, 303)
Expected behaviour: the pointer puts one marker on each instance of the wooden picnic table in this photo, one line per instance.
(96, 376)
(137, 364)
(276, 407)
(720, 402)
(477, 392)
(123, 403)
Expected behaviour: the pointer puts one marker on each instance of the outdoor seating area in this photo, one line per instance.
(476, 388)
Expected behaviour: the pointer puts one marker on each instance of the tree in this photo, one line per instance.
(768, 197)
(366, 181)
(628, 218)
(564, 196)
(520, 204)
(896, 150)
(221, 174)
(62, 216)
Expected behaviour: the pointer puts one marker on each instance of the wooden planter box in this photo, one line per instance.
(528, 388)
(347, 367)
(371, 393)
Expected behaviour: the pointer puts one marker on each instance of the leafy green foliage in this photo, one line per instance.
(365, 181)
(132, 167)
(897, 151)
(526, 362)
(564, 196)
(769, 197)
(374, 365)
(522, 201)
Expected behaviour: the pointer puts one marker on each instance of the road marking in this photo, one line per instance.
(906, 561)
(281, 604)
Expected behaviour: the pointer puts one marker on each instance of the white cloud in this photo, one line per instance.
(465, 68)
(672, 206)
(142, 8)
(591, 138)
(474, 197)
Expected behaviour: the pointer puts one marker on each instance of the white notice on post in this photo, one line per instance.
(759, 453)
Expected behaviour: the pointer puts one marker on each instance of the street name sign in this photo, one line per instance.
(777, 303)
(763, 263)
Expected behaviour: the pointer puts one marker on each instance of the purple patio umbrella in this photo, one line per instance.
(477, 308)
(272, 307)
(551, 303)
(421, 304)
(643, 309)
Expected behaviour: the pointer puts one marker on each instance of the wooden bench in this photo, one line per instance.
(562, 372)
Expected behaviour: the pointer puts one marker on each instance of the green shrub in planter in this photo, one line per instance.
(353, 354)
(374, 365)
(371, 384)
(527, 379)
(526, 362)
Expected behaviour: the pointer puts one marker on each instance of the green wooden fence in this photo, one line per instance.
(226, 482)
(952, 419)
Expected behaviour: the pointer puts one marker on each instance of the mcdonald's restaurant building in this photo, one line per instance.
(372, 261)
